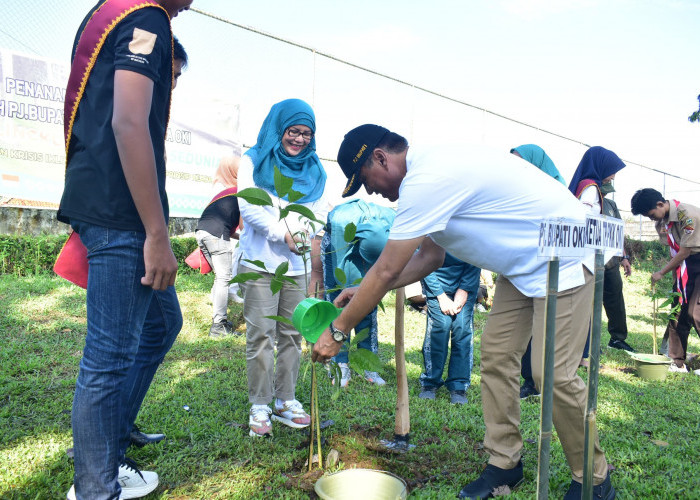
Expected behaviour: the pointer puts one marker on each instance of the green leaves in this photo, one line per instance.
(340, 276)
(255, 196)
(280, 319)
(350, 231)
(243, 277)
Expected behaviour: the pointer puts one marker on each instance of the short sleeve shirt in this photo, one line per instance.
(95, 187)
(484, 208)
(685, 220)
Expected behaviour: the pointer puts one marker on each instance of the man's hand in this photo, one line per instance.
(656, 277)
(447, 305)
(345, 296)
(325, 347)
(460, 299)
(626, 266)
(161, 265)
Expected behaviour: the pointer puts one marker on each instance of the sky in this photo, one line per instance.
(621, 74)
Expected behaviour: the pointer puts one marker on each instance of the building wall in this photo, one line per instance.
(36, 221)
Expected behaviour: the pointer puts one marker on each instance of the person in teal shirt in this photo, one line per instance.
(351, 261)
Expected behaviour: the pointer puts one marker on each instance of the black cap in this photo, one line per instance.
(354, 151)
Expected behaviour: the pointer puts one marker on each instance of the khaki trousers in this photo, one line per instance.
(512, 320)
(263, 335)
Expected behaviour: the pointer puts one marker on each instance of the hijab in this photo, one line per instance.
(596, 164)
(305, 169)
(536, 155)
(227, 171)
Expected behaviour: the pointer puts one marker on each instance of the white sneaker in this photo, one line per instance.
(291, 413)
(259, 421)
(135, 483)
(480, 308)
(679, 369)
(374, 378)
(233, 297)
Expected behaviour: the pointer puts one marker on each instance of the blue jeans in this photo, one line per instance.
(130, 328)
(437, 338)
(370, 342)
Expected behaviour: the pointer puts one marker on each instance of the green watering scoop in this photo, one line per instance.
(312, 316)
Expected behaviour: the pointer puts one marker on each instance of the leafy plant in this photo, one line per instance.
(360, 359)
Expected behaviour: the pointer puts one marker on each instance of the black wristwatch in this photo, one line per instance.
(338, 335)
(625, 257)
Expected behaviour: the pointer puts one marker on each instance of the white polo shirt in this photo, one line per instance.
(482, 206)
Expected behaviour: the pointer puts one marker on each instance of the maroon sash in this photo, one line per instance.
(93, 37)
(72, 263)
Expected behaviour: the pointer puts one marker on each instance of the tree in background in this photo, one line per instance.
(695, 117)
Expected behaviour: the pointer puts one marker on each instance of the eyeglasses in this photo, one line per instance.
(295, 132)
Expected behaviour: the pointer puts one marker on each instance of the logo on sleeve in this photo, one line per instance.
(689, 226)
(142, 42)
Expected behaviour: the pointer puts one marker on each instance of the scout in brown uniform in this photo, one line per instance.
(675, 222)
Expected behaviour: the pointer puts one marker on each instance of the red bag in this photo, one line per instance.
(72, 263)
(197, 260)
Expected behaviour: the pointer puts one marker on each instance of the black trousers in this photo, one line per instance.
(614, 304)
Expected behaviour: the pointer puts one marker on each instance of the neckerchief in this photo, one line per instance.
(99, 26)
(682, 270)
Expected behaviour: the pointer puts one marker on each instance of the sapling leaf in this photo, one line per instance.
(276, 286)
(293, 196)
(283, 184)
(243, 277)
(280, 319)
(340, 276)
(305, 211)
(255, 196)
(282, 269)
(363, 359)
(257, 263)
(381, 306)
(350, 230)
(283, 213)
(360, 336)
(357, 281)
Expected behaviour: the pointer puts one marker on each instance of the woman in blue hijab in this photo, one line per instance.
(286, 141)
(536, 155)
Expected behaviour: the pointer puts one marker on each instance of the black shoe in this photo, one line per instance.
(604, 490)
(458, 397)
(427, 393)
(141, 439)
(620, 344)
(528, 390)
(221, 329)
(493, 478)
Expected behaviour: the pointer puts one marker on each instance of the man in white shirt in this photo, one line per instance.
(484, 208)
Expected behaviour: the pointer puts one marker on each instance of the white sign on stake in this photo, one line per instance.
(571, 238)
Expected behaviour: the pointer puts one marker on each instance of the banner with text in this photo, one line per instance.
(203, 129)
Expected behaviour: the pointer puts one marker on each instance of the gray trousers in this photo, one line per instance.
(267, 379)
(218, 253)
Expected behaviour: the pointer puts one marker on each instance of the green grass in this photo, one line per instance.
(650, 430)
